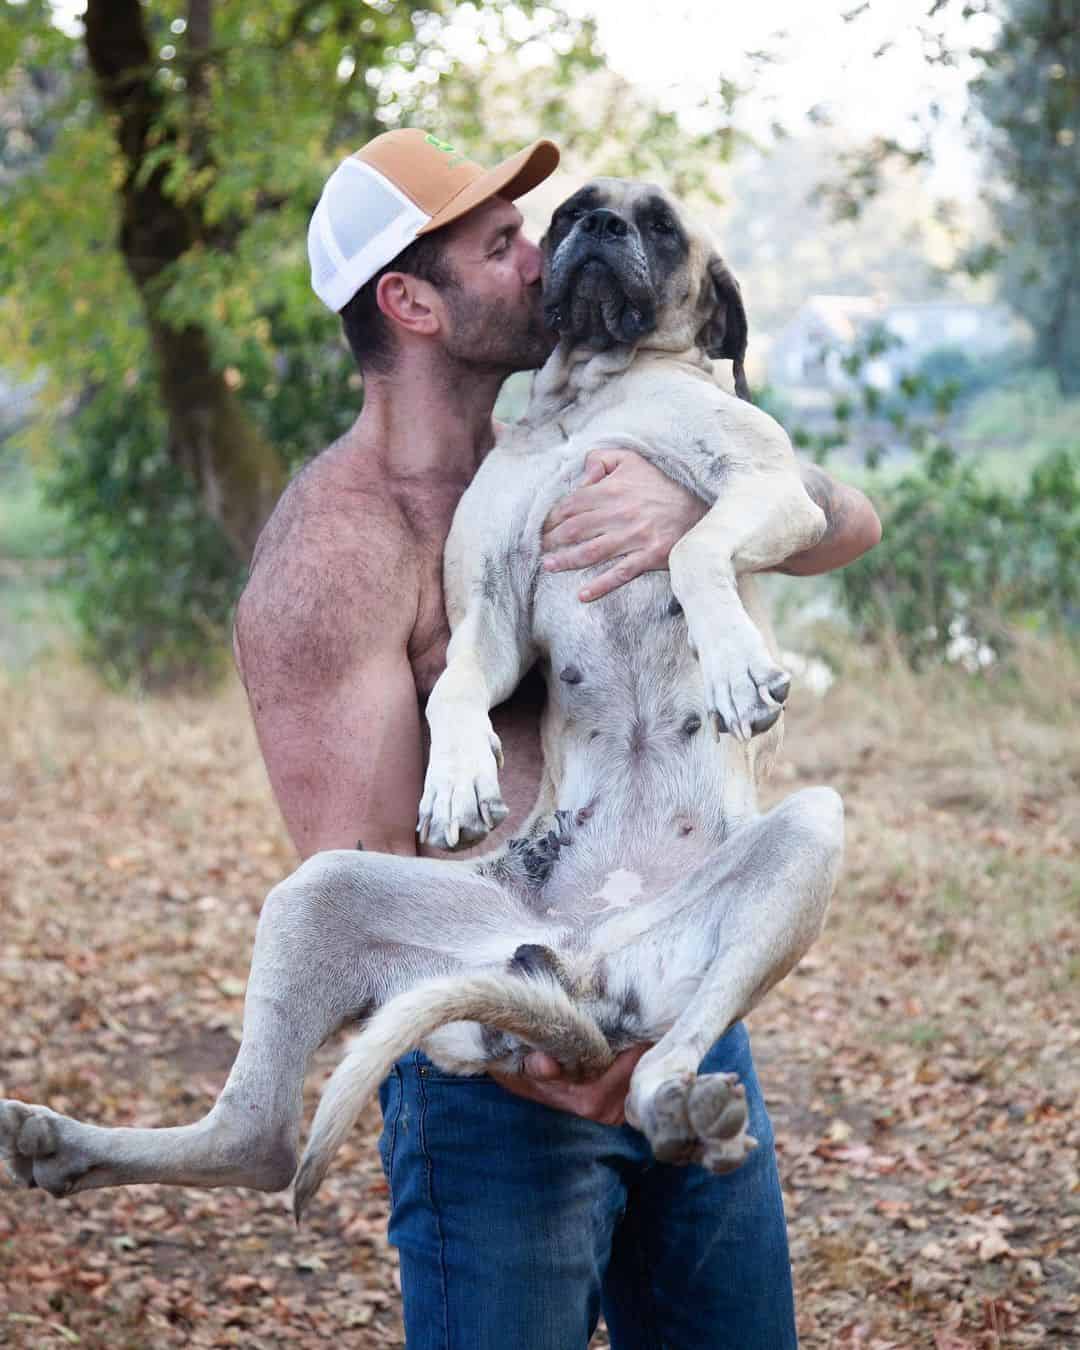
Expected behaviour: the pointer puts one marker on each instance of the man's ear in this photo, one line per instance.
(404, 298)
(725, 332)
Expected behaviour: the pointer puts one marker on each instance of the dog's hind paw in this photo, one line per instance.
(30, 1148)
(702, 1119)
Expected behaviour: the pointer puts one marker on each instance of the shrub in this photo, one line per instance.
(151, 578)
(962, 557)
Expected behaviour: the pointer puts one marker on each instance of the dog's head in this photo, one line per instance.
(624, 266)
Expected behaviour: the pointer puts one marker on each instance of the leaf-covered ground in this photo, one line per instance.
(922, 1065)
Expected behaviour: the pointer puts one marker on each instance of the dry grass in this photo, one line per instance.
(923, 1065)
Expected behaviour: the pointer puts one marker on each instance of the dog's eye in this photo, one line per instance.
(662, 225)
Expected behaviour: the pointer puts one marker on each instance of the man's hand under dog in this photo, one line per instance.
(603, 1099)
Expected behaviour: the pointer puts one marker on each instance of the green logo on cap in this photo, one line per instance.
(446, 148)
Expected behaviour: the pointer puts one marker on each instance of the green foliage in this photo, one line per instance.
(961, 556)
(1025, 94)
(1018, 422)
(966, 374)
(299, 383)
(975, 542)
(152, 579)
(1028, 92)
(241, 132)
(291, 87)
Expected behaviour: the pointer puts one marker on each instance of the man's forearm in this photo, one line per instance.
(851, 525)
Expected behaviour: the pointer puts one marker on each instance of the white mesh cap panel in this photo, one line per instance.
(360, 223)
(323, 266)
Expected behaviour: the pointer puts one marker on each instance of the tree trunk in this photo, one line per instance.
(238, 472)
(1061, 339)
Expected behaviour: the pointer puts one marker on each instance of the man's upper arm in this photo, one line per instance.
(851, 525)
(322, 649)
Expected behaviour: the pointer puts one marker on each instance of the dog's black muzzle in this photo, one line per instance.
(598, 289)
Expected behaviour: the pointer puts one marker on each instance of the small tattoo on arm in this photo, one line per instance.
(824, 492)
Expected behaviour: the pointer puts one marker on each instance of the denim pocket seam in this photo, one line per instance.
(429, 1165)
(390, 1125)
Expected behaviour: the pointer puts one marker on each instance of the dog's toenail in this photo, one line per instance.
(764, 723)
(780, 689)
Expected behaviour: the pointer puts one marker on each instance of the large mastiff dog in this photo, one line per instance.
(648, 900)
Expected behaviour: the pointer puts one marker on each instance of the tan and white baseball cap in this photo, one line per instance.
(399, 186)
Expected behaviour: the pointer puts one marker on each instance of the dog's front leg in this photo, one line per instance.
(487, 656)
(755, 524)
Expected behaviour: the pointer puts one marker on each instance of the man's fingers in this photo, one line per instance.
(593, 551)
(596, 467)
(541, 1066)
(598, 464)
(602, 1100)
(611, 578)
(573, 529)
(584, 498)
(578, 1099)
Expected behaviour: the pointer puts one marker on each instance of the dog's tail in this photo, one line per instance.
(538, 1010)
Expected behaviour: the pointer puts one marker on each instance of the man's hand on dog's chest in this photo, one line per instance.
(625, 509)
(602, 1100)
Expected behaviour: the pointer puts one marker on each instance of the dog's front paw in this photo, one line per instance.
(745, 690)
(462, 801)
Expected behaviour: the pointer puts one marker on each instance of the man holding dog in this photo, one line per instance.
(519, 1207)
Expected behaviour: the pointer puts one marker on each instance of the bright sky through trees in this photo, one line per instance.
(870, 74)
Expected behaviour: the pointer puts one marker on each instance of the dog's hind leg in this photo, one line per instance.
(334, 941)
(720, 940)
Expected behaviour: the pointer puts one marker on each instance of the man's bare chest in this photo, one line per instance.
(427, 518)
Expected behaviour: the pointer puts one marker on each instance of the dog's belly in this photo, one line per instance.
(651, 791)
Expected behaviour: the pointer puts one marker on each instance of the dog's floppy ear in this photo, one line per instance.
(725, 332)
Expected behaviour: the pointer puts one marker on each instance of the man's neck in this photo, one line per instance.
(427, 419)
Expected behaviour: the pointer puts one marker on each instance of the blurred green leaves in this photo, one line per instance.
(963, 557)
(203, 172)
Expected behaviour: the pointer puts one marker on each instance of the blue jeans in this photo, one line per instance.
(515, 1224)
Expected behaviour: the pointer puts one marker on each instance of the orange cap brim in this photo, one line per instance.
(512, 178)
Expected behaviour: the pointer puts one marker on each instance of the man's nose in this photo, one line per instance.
(532, 265)
(603, 224)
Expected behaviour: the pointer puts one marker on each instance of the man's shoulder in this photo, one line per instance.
(333, 523)
(334, 564)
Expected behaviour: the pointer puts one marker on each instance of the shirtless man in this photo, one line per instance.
(519, 1207)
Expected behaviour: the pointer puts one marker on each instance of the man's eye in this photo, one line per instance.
(502, 245)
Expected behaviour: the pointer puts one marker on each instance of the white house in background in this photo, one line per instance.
(809, 352)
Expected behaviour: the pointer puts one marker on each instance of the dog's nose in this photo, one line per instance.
(603, 224)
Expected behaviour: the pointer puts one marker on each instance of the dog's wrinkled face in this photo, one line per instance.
(624, 266)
